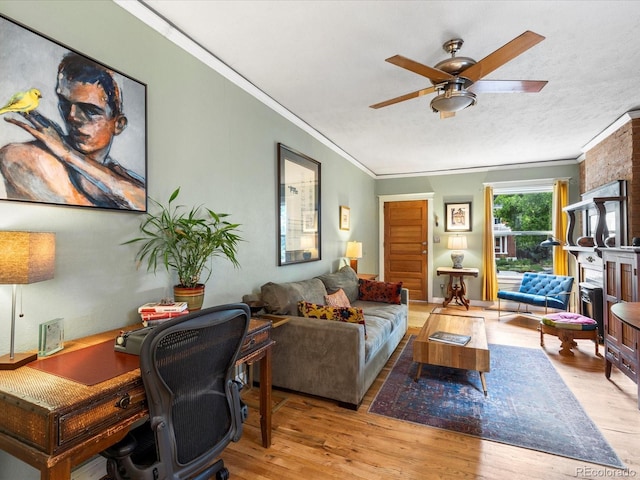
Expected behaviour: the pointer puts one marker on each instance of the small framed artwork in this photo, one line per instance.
(51, 337)
(457, 217)
(345, 218)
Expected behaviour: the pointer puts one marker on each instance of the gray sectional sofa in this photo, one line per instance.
(332, 359)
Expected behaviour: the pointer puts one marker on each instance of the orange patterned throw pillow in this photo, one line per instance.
(337, 299)
(340, 314)
(386, 292)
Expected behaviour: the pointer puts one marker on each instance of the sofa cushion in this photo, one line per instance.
(283, 298)
(345, 278)
(326, 312)
(531, 299)
(337, 299)
(386, 292)
(541, 290)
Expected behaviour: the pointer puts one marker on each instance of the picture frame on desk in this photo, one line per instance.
(51, 338)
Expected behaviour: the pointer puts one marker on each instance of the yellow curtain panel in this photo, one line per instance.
(490, 283)
(560, 200)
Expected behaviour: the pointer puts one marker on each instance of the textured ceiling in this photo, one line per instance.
(324, 62)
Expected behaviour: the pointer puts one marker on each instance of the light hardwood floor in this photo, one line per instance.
(316, 439)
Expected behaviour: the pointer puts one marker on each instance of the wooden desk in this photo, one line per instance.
(54, 424)
(457, 290)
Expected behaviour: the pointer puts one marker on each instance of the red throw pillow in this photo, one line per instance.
(386, 292)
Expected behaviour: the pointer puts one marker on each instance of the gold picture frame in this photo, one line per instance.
(345, 218)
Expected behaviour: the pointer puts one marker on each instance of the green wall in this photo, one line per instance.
(218, 143)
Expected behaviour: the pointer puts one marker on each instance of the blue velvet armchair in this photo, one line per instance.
(540, 290)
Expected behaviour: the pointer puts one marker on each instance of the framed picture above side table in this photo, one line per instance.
(457, 217)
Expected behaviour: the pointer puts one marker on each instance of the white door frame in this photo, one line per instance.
(406, 197)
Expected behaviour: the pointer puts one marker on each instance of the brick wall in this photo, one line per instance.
(617, 158)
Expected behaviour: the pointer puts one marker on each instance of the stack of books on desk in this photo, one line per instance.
(157, 312)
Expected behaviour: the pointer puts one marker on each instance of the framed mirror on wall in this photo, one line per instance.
(299, 207)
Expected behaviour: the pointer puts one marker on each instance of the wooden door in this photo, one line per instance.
(405, 246)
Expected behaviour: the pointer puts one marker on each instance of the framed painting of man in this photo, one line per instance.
(73, 130)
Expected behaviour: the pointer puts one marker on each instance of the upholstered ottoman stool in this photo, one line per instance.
(568, 327)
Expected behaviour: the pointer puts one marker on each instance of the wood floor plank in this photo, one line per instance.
(314, 438)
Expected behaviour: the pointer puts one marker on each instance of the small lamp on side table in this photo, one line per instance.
(25, 257)
(457, 243)
(354, 252)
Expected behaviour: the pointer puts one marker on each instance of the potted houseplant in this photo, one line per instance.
(186, 241)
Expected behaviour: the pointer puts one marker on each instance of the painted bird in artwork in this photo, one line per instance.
(23, 102)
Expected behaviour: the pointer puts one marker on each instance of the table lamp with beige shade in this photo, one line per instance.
(457, 243)
(25, 257)
(354, 252)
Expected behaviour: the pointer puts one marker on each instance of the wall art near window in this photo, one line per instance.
(74, 130)
(298, 207)
(457, 217)
(345, 218)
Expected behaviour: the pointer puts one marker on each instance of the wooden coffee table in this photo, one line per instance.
(472, 356)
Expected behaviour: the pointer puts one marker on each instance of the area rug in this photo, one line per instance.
(528, 404)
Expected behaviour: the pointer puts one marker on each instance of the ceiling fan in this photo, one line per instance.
(458, 79)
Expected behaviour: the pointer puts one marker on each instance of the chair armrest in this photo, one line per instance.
(239, 412)
(122, 449)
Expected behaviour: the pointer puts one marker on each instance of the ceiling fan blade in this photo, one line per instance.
(502, 55)
(444, 115)
(402, 98)
(433, 74)
(507, 86)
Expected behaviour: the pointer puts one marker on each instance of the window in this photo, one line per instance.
(522, 219)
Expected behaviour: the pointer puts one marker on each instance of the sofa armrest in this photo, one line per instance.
(404, 296)
(320, 357)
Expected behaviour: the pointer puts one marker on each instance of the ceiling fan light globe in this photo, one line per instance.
(453, 101)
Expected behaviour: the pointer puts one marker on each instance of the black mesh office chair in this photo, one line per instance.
(187, 366)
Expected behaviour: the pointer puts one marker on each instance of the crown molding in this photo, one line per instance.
(607, 132)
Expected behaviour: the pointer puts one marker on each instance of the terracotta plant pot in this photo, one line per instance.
(193, 296)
